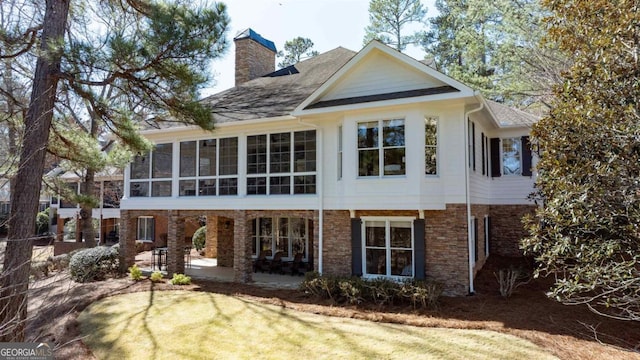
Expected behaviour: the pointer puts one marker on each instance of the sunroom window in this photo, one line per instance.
(388, 247)
(381, 149)
(209, 167)
(151, 172)
(281, 163)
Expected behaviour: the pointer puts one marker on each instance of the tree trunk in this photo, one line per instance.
(28, 180)
(86, 210)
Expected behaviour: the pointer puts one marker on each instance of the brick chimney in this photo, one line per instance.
(255, 56)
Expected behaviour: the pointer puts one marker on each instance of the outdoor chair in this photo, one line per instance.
(276, 263)
(262, 263)
(295, 267)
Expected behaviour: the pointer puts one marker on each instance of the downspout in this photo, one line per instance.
(320, 188)
(468, 189)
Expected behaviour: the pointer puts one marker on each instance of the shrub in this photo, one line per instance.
(94, 263)
(180, 279)
(509, 280)
(199, 238)
(156, 276)
(380, 291)
(40, 269)
(135, 273)
(59, 262)
(42, 222)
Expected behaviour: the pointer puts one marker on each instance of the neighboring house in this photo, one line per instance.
(369, 163)
(5, 204)
(108, 191)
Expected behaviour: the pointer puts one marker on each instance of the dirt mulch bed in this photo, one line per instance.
(568, 332)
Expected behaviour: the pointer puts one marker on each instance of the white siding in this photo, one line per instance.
(380, 74)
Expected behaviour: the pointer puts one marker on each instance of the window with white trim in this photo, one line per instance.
(381, 149)
(388, 247)
(289, 235)
(431, 145)
(281, 163)
(146, 227)
(512, 156)
(209, 167)
(151, 172)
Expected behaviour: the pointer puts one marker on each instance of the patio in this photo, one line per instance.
(208, 269)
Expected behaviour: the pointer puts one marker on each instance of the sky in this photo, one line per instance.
(328, 23)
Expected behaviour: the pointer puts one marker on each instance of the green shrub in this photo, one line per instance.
(199, 238)
(42, 222)
(156, 276)
(380, 291)
(135, 273)
(94, 263)
(180, 279)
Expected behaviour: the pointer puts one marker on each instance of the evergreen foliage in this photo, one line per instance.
(586, 234)
(295, 50)
(388, 20)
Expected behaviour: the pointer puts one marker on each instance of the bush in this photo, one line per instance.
(94, 263)
(380, 291)
(199, 238)
(509, 280)
(156, 276)
(135, 273)
(42, 222)
(180, 279)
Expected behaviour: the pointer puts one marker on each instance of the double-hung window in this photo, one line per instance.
(388, 247)
(512, 156)
(151, 172)
(281, 163)
(146, 227)
(381, 148)
(209, 167)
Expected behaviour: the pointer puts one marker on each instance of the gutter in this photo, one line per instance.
(468, 189)
(320, 188)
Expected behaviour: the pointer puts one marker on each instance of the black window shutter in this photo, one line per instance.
(526, 156)
(419, 248)
(495, 157)
(484, 170)
(473, 145)
(475, 239)
(356, 247)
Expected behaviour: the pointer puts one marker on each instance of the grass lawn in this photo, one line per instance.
(200, 325)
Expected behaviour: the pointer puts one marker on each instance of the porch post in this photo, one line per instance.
(242, 267)
(127, 240)
(175, 244)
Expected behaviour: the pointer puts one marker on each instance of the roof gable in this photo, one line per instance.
(380, 73)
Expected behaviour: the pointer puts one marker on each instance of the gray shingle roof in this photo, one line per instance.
(278, 93)
(508, 116)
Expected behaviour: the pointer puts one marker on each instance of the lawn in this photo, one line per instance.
(201, 325)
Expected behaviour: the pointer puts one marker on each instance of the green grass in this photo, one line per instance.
(195, 325)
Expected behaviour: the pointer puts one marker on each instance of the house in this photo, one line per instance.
(369, 163)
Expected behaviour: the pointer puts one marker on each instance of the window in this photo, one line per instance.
(281, 163)
(388, 247)
(431, 145)
(146, 228)
(472, 144)
(112, 193)
(151, 172)
(511, 156)
(5, 208)
(209, 167)
(381, 149)
(339, 152)
(288, 235)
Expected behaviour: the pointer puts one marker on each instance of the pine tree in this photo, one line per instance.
(294, 50)
(150, 56)
(388, 20)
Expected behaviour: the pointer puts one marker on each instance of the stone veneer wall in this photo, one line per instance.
(220, 240)
(336, 254)
(507, 229)
(479, 212)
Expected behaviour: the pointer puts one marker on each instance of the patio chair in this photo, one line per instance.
(295, 267)
(262, 263)
(276, 263)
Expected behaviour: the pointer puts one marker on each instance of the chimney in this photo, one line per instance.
(255, 56)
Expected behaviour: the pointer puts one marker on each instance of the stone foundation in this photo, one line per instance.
(507, 228)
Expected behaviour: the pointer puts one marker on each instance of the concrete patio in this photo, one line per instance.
(207, 269)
